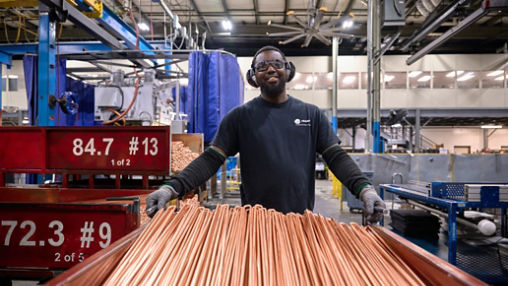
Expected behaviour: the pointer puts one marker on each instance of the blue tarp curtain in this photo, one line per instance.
(31, 80)
(84, 94)
(184, 103)
(215, 87)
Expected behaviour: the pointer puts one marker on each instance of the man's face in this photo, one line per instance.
(270, 74)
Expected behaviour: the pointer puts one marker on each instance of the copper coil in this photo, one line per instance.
(181, 156)
(255, 246)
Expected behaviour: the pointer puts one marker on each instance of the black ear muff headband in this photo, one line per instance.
(251, 74)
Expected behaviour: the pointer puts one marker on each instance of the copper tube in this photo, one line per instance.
(310, 235)
(255, 246)
(397, 262)
(399, 269)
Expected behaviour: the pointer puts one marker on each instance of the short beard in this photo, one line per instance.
(271, 90)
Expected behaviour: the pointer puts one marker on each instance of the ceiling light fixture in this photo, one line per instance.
(388, 78)
(227, 25)
(414, 73)
(453, 73)
(143, 26)
(348, 24)
(495, 73)
(492, 126)
(349, 79)
(467, 76)
(424, 78)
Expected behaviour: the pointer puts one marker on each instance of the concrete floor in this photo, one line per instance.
(328, 205)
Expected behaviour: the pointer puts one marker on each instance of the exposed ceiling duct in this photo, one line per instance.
(436, 22)
(486, 7)
(426, 7)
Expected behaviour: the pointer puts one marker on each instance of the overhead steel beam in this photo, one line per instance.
(386, 47)
(493, 20)
(63, 47)
(286, 8)
(82, 69)
(447, 12)
(256, 10)
(18, 3)
(6, 59)
(226, 9)
(111, 21)
(122, 30)
(193, 3)
(487, 6)
(100, 67)
(85, 23)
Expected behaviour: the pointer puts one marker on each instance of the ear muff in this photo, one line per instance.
(251, 78)
(290, 70)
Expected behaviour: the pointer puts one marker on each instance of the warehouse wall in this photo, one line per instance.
(356, 98)
(15, 99)
(472, 137)
(434, 167)
(396, 98)
(449, 137)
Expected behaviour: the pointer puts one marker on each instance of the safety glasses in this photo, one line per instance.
(263, 65)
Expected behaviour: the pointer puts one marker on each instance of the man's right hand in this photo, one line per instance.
(157, 199)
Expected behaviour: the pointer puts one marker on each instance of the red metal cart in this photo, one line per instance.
(47, 228)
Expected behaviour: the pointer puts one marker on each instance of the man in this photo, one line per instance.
(277, 137)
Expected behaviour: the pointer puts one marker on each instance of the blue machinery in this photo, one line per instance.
(450, 196)
(446, 195)
(51, 12)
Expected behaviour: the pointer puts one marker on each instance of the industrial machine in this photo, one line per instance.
(475, 222)
(146, 101)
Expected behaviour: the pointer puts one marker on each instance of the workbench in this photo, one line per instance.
(450, 198)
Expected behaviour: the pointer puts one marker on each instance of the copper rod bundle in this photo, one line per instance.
(251, 245)
(181, 156)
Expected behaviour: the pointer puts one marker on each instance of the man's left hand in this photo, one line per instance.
(373, 205)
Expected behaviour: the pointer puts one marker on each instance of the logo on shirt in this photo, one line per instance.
(302, 122)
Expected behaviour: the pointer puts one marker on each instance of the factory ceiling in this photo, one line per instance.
(249, 25)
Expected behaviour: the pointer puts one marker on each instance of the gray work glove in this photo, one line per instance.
(373, 205)
(157, 199)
